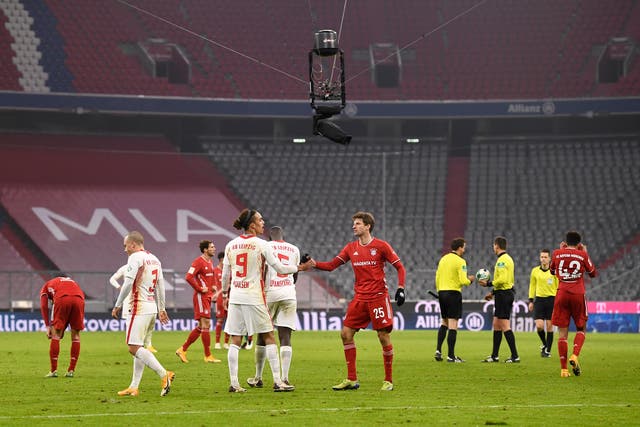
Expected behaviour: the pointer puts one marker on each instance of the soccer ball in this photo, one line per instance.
(483, 274)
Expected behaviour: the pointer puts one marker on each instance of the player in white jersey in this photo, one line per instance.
(282, 304)
(143, 279)
(114, 280)
(243, 285)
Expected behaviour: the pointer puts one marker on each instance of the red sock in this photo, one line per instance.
(206, 342)
(387, 356)
(350, 357)
(578, 341)
(75, 353)
(54, 351)
(193, 336)
(218, 331)
(226, 338)
(562, 352)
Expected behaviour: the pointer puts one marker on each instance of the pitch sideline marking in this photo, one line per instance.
(335, 409)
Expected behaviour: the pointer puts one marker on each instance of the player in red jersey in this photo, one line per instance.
(221, 309)
(67, 310)
(202, 279)
(371, 302)
(569, 264)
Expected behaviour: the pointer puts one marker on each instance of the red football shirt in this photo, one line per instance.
(201, 273)
(368, 262)
(569, 265)
(59, 287)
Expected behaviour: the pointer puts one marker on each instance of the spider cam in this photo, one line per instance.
(327, 96)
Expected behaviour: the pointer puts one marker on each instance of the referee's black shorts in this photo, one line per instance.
(543, 307)
(450, 304)
(503, 303)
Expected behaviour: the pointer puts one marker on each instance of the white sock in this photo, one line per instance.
(138, 369)
(274, 362)
(261, 353)
(150, 360)
(232, 360)
(285, 360)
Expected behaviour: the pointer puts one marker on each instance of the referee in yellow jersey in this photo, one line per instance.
(503, 281)
(451, 276)
(542, 291)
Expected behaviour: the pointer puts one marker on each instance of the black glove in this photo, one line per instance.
(400, 296)
(305, 258)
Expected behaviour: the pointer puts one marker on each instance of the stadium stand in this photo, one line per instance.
(83, 199)
(480, 55)
(534, 190)
(402, 185)
(9, 74)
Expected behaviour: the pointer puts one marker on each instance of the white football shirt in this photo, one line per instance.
(145, 280)
(281, 287)
(243, 269)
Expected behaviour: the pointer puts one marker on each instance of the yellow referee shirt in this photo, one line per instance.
(503, 273)
(542, 283)
(451, 274)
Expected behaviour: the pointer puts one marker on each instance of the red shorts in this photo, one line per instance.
(68, 311)
(201, 306)
(569, 306)
(221, 310)
(378, 312)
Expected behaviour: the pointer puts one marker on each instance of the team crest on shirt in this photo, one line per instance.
(373, 252)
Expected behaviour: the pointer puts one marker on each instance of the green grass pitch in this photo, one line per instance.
(426, 392)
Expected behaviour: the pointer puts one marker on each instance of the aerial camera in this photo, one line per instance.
(327, 96)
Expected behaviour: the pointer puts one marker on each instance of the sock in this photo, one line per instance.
(138, 369)
(54, 351)
(206, 342)
(511, 340)
(226, 338)
(562, 352)
(549, 342)
(75, 353)
(578, 341)
(260, 357)
(218, 331)
(274, 362)
(193, 336)
(497, 340)
(350, 357)
(285, 360)
(387, 357)
(451, 342)
(232, 360)
(442, 333)
(150, 360)
(542, 337)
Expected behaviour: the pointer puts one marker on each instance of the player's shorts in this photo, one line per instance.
(283, 313)
(221, 310)
(138, 326)
(450, 304)
(570, 306)
(543, 308)
(245, 319)
(503, 303)
(378, 312)
(201, 306)
(68, 311)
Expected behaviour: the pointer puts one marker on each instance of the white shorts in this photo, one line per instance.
(138, 327)
(245, 319)
(283, 313)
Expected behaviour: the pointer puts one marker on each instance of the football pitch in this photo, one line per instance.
(426, 392)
